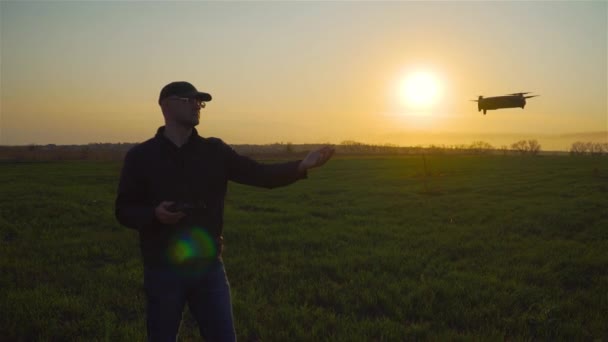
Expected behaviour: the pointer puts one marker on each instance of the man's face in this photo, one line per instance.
(183, 110)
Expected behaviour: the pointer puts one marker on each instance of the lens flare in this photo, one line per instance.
(192, 249)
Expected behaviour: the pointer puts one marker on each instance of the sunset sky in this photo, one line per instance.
(301, 72)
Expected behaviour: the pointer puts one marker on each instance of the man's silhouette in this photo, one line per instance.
(172, 190)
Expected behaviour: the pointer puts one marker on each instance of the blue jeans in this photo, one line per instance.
(207, 295)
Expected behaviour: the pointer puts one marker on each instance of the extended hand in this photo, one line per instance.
(316, 158)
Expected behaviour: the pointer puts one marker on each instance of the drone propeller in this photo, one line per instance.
(527, 97)
(524, 93)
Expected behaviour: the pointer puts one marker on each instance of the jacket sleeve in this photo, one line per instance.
(247, 171)
(131, 208)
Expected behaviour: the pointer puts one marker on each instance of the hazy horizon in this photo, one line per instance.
(303, 72)
(548, 142)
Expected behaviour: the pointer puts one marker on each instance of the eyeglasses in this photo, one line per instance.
(190, 100)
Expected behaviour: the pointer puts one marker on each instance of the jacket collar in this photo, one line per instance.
(160, 135)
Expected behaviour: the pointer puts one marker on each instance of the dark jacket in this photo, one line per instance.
(196, 173)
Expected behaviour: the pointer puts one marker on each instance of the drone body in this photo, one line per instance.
(516, 100)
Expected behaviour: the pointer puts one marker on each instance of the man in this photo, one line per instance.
(172, 190)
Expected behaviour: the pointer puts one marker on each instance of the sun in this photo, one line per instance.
(420, 90)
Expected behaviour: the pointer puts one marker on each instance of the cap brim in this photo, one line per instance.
(205, 97)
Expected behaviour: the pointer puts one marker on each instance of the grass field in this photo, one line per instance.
(367, 249)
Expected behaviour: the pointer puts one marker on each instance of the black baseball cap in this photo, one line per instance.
(182, 89)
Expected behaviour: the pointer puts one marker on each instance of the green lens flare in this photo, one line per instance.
(191, 245)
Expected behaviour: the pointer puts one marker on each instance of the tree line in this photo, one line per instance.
(110, 151)
(592, 148)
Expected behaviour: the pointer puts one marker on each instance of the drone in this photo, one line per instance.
(506, 101)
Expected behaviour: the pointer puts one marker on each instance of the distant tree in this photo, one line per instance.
(530, 146)
(481, 147)
(592, 148)
(596, 149)
(520, 146)
(461, 147)
(578, 147)
(533, 146)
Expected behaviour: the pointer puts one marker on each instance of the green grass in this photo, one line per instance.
(472, 248)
